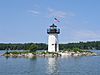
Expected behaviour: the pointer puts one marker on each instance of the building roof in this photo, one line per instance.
(53, 25)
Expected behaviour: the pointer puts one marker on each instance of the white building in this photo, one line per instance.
(53, 45)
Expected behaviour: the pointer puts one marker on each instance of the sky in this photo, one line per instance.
(25, 21)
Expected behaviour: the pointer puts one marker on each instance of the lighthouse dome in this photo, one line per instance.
(53, 29)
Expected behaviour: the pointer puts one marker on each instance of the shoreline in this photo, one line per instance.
(49, 54)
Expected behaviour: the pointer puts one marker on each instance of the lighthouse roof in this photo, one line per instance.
(53, 25)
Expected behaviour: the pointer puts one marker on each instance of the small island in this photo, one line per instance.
(33, 53)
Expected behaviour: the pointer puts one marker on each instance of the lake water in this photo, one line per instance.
(84, 65)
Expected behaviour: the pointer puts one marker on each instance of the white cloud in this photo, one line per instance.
(86, 35)
(50, 9)
(58, 13)
(34, 12)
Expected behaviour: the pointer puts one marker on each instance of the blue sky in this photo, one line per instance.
(23, 21)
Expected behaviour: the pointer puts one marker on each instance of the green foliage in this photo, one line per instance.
(77, 50)
(74, 50)
(7, 53)
(43, 46)
(16, 52)
(43, 52)
(33, 48)
(81, 45)
(25, 46)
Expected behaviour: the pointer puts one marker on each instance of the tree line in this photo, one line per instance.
(82, 45)
(43, 46)
(25, 46)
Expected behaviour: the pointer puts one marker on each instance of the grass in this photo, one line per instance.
(75, 50)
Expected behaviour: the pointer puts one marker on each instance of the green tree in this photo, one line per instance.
(33, 48)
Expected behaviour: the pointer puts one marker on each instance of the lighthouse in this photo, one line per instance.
(53, 43)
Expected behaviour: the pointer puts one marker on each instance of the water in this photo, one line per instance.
(84, 65)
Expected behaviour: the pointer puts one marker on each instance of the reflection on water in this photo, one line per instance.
(84, 65)
(52, 66)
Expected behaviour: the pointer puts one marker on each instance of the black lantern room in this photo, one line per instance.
(53, 29)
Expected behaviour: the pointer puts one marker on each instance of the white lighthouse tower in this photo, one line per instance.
(53, 45)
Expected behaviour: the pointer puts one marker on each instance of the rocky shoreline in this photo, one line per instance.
(66, 53)
(49, 54)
